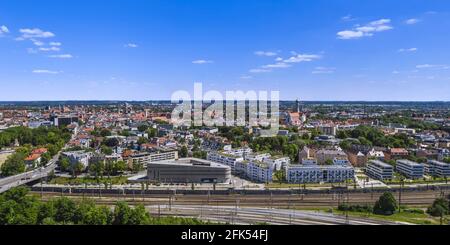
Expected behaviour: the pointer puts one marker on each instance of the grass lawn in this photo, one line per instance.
(408, 217)
(413, 218)
(115, 180)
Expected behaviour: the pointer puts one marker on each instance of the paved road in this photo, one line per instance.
(253, 215)
(24, 178)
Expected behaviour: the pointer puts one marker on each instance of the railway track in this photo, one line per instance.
(276, 201)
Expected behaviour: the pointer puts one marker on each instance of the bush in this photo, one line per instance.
(356, 208)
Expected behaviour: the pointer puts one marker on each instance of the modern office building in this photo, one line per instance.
(438, 169)
(410, 169)
(188, 170)
(379, 170)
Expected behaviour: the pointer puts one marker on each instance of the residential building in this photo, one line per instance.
(226, 159)
(312, 173)
(78, 156)
(396, 153)
(259, 171)
(325, 155)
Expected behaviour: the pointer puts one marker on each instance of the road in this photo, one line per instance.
(24, 178)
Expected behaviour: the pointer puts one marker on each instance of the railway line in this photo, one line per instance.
(423, 198)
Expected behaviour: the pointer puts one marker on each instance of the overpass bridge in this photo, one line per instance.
(27, 177)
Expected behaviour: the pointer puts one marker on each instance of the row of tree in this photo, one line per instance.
(17, 207)
(370, 136)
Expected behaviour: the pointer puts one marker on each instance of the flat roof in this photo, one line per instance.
(190, 162)
(380, 163)
(409, 162)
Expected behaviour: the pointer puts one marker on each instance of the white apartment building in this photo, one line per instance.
(259, 172)
(277, 163)
(78, 156)
(379, 170)
(226, 159)
(410, 169)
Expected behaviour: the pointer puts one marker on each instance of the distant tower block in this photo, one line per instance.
(297, 105)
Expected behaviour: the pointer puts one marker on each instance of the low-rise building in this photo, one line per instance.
(379, 170)
(78, 156)
(438, 169)
(395, 153)
(410, 169)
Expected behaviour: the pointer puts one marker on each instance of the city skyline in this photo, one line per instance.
(321, 51)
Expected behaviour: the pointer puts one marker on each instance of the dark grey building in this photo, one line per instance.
(188, 170)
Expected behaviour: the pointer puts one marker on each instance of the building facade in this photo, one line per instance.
(410, 169)
(379, 170)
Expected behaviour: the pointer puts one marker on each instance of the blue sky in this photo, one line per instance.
(146, 50)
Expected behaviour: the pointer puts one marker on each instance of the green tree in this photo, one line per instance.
(64, 164)
(142, 128)
(45, 158)
(183, 151)
(64, 210)
(385, 205)
(106, 150)
(77, 169)
(14, 164)
(105, 132)
(439, 208)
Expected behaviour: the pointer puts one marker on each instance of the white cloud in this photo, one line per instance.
(348, 18)
(277, 65)
(265, 53)
(286, 63)
(246, 77)
(366, 30)
(201, 62)
(407, 50)
(37, 42)
(302, 58)
(61, 56)
(259, 70)
(45, 72)
(350, 34)
(55, 44)
(412, 21)
(131, 45)
(3, 29)
(53, 48)
(35, 33)
(431, 66)
(323, 70)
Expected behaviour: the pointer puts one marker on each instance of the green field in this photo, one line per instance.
(404, 216)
